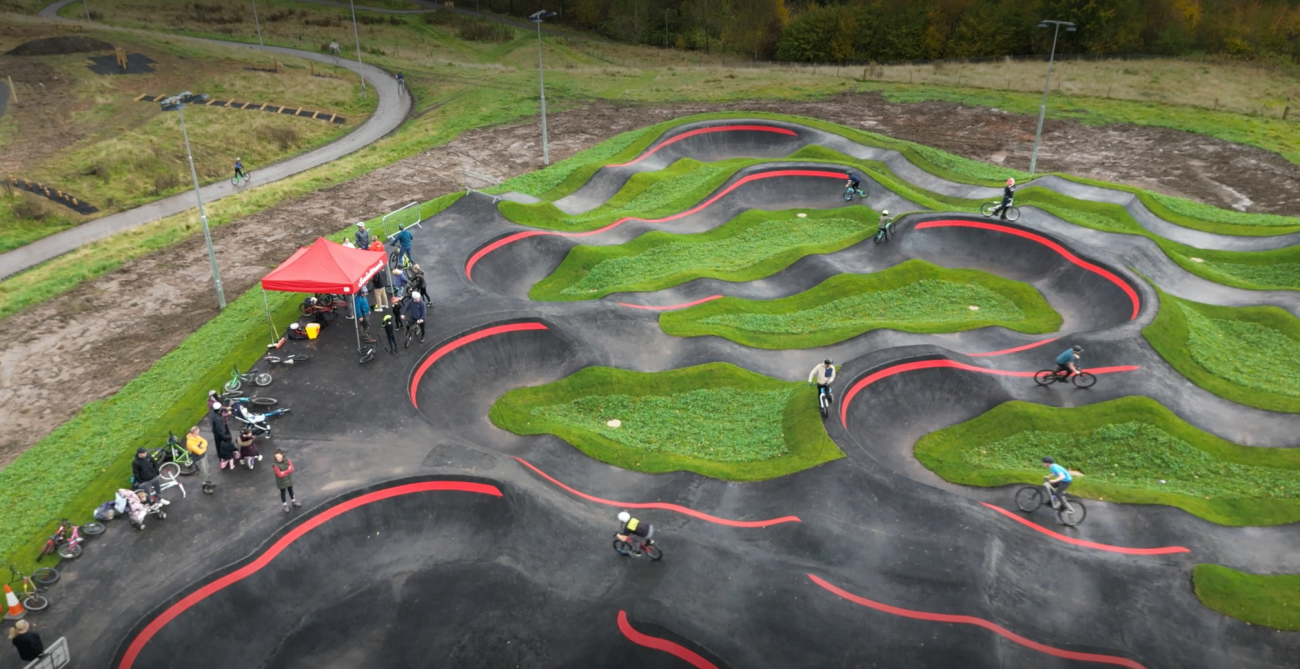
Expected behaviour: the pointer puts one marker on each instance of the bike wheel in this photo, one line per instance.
(69, 552)
(188, 468)
(262, 379)
(36, 602)
(880, 237)
(1045, 378)
(92, 529)
(1073, 515)
(1013, 213)
(622, 547)
(264, 401)
(988, 207)
(169, 470)
(1029, 498)
(848, 196)
(233, 385)
(49, 548)
(45, 576)
(652, 551)
(234, 181)
(1084, 380)
(825, 407)
(367, 356)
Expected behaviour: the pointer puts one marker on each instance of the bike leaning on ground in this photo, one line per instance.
(28, 588)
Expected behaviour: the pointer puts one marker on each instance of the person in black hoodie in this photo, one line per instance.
(145, 472)
(225, 441)
(27, 642)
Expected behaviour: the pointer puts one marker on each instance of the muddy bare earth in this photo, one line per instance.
(59, 355)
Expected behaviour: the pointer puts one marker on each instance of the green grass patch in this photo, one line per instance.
(914, 296)
(1242, 354)
(753, 245)
(1124, 448)
(717, 420)
(1272, 601)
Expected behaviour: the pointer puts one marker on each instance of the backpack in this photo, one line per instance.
(106, 511)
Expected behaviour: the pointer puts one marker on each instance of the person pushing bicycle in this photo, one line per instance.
(1008, 194)
(823, 375)
(1059, 479)
(632, 528)
(1068, 360)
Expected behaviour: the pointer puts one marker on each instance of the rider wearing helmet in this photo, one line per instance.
(1059, 479)
(855, 181)
(1008, 193)
(239, 169)
(884, 220)
(634, 532)
(1068, 360)
(415, 312)
(823, 375)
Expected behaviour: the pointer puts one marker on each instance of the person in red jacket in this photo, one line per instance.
(283, 469)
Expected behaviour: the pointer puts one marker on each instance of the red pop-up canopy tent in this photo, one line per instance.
(326, 267)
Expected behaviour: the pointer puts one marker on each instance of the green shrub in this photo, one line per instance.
(914, 296)
(717, 420)
(1272, 601)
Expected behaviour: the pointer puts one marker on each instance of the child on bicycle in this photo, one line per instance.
(239, 169)
(1008, 194)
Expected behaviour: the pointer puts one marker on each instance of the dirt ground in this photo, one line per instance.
(60, 355)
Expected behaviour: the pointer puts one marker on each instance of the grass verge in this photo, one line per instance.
(717, 420)
(914, 296)
(753, 245)
(1132, 450)
(1242, 354)
(1272, 601)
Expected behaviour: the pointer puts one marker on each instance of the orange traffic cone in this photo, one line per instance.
(16, 610)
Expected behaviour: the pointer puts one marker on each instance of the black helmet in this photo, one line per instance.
(1077, 348)
(1048, 460)
(827, 361)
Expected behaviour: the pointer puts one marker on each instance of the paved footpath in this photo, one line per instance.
(393, 107)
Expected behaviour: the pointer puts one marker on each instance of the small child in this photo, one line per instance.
(247, 448)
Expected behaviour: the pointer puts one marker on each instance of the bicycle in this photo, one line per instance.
(824, 399)
(67, 540)
(399, 260)
(231, 398)
(367, 354)
(1069, 512)
(238, 378)
(885, 232)
(241, 179)
(850, 191)
(173, 459)
(646, 546)
(286, 360)
(991, 209)
(1047, 377)
(29, 587)
(325, 304)
(410, 333)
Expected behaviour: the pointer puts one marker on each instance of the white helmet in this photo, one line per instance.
(884, 213)
(291, 327)
(624, 516)
(311, 300)
(360, 224)
(415, 294)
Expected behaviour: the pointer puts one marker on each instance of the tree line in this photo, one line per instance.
(896, 30)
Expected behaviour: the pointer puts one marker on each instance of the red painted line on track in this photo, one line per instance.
(467, 339)
(690, 656)
(705, 131)
(950, 364)
(1166, 550)
(157, 624)
(1065, 253)
(978, 622)
(671, 306)
(510, 239)
(1017, 349)
(660, 505)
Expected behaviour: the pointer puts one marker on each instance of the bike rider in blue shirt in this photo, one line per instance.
(1068, 360)
(239, 169)
(1059, 479)
(855, 182)
(1008, 194)
(823, 375)
(403, 241)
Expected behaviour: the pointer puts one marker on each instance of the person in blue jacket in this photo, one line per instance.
(415, 313)
(403, 241)
(1068, 360)
(363, 310)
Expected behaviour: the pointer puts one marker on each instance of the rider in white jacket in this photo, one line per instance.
(823, 375)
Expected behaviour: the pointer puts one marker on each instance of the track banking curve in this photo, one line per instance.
(390, 112)
(876, 529)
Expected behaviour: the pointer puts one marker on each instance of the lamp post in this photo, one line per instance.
(1042, 108)
(357, 37)
(176, 103)
(541, 82)
(257, 23)
(87, 8)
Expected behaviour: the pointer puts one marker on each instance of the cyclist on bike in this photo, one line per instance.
(823, 374)
(1068, 360)
(1059, 479)
(402, 240)
(855, 182)
(239, 169)
(1008, 194)
(884, 220)
(634, 532)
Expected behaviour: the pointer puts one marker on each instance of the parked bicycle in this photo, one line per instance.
(323, 303)
(991, 209)
(1047, 377)
(644, 546)
(28, 588)
(237, 379)
(67, 540)
(1069, 511)
(173, 459)
(292, 358)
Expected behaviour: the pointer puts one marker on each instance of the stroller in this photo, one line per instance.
(135, 504)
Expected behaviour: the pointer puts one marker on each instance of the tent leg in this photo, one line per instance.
(356, 322)
(266, 308)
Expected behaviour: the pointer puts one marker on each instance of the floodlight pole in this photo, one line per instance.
(87, 8)
(1042, 108)
(356, 36)
(541, 81)
(203, 216)
(258, 23)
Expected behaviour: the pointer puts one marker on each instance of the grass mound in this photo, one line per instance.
(914, 296)
(1125, 448)
(1272, 601)
(717, 420)
(1243, 354)
(750, 246)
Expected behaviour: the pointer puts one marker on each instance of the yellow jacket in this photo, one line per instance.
(196, 444)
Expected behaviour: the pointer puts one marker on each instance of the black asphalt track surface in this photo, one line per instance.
(428, 537)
